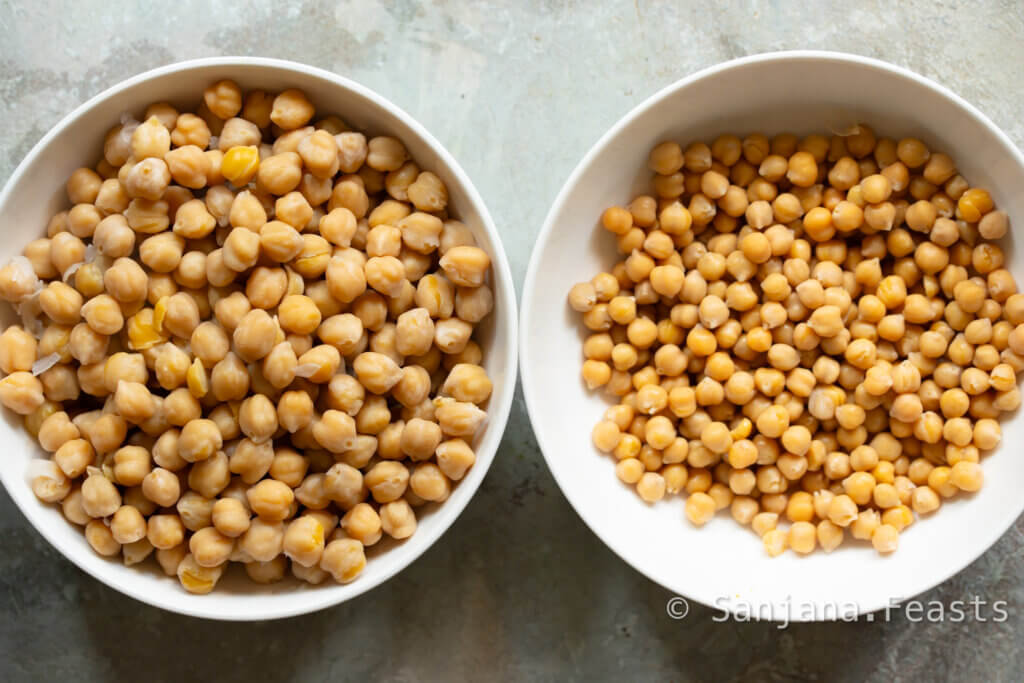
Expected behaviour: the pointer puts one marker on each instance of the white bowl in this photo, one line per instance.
(724, 564)
(36, 191)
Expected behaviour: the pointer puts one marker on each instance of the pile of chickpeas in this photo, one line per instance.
(250, 339)
(819, 334)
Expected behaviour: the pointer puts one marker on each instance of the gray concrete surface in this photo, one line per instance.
(519, 588)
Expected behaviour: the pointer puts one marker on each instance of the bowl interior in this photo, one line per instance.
(36, 192)
(724, 564)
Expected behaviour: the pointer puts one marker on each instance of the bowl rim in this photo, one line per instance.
(501, 402)
(531, 384)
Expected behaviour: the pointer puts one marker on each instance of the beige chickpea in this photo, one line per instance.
(295, 410)
(421, 232)
(66, 250)
(134, 402)
(101, 539)
(263, 540)
(106, 433)
(100, 498)
(255, 335)
(127, 525)
(319, 153)
(468, 383)
(428, 193)
(386, 274)
(210, 548)
(362, 523)
(38, 254)
(229, 379)
(49, 482)
(376, 372)
(466, 266)
(257, 418)
(56, 430)
(18, 279)
(270, 499)
(346, 394)
(279, 241)
(251, 460)
(83, 185)
(195, 510)
(420, 438)
(181, 316)
(304, 541)
(335, 431)
(103, 315)
(131, 464)
(352, 151)
(73, 456)
(473, 304)
(459, 419)
(343, 559)
(61, 303)
(266, 286)
(452, 334)
(454, 458)
(125, 281)
(223, 99)
(193, 221)
(18, 350)
(291, 109)
(230, 517)
(415, 331)
(385, 153)
(161, 486)
(180, 406)
(343, 483)
(319, 364)
(280, 174)
(346, 277)
(398, 519)
(200, 439)
(71, 507)
(279, 365)
(429, 482)
(21, 392)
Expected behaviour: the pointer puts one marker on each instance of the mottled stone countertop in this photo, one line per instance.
(519, 588)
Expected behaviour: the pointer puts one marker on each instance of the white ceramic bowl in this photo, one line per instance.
(36, 190)
(723, 564)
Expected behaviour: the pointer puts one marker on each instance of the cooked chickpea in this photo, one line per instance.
(390, 284)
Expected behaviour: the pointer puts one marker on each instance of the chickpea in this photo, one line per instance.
(343, 559)
(49, 482)
(335, 431)
(363, 524)
(21, 392)
(101, 539)
(270, 499)
(17, 350)
(230, 517)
